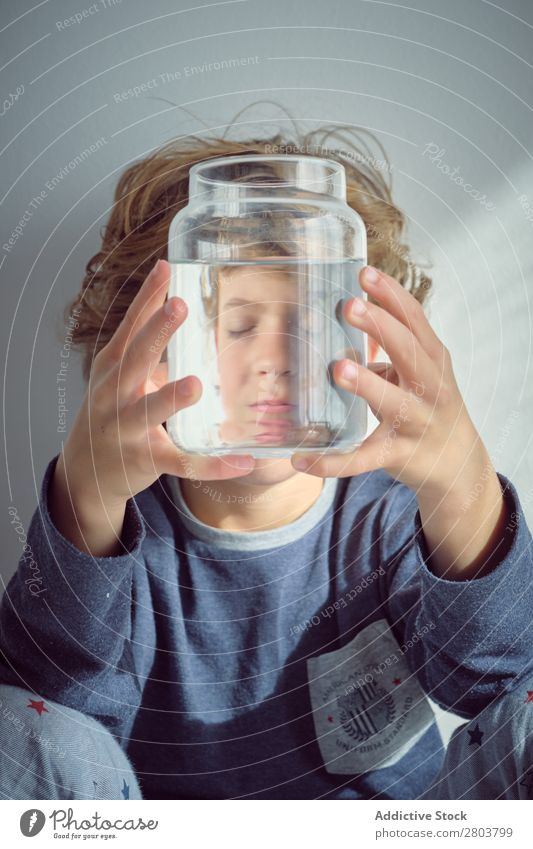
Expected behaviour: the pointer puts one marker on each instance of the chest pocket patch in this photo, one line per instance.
(368, 707)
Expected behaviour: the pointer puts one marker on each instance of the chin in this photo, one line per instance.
(268, 471)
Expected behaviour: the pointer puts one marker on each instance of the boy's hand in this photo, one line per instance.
(118, 445)
(425, 438)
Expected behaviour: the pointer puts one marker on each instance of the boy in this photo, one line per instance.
(264, 630)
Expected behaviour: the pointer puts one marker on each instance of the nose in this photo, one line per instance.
(273, 355)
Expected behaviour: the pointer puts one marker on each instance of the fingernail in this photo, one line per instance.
(358, 306)
(371, 274)
(300, 463)
(349, 371)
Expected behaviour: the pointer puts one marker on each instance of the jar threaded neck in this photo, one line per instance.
(232, 177)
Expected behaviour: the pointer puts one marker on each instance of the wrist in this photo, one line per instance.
(84, 491)
(90, 524)
(465, 532)
(466, 477)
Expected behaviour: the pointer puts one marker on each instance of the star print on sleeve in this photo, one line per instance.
(38, 706)
(476, 735)
(529, 697)
(125, 789)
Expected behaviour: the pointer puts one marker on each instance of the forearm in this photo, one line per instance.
(85, 520)
(468, 640)
(464, 525)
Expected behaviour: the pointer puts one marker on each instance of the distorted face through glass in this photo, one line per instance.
(256, 329)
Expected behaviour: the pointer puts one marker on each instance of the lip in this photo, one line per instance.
(273, 425)
(270, 422)
(270, 437)
(272, 407)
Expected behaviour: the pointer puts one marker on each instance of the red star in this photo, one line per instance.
(529, 696)
(396, 681)
(38, 706)
(330, 719)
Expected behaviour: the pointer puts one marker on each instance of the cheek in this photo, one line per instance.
(232, 369)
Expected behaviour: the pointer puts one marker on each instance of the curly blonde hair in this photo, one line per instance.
(150, 192)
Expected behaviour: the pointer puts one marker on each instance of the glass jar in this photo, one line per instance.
(265, 254)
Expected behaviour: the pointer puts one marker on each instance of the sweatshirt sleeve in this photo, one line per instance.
(467, 641)
(66, 620)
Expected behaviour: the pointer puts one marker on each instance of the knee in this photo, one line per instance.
(491, 755)
(28, 718)
(51, 751)
(25, 720)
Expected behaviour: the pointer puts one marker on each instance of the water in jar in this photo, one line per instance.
(263, 337)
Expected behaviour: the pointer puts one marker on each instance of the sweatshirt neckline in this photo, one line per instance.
(254, 540)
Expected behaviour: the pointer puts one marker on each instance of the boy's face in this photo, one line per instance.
(256, 340)
(256, 330)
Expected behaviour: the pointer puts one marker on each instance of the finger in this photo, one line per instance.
(155, 408)
(204, 468)
(405, 351)
(146, 348)
(150, 297)
(385, 370)
(400, 303)
(388, 373)
(365, 458)
(381, 395)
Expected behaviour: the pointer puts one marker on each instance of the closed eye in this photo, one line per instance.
(236, 333)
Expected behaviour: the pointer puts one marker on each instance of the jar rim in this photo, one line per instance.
(331, 182)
